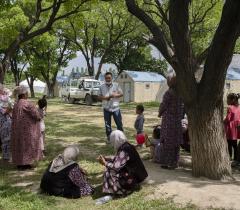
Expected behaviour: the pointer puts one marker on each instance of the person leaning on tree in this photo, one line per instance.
(110, 94)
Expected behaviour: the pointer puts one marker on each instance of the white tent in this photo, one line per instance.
(38, 86)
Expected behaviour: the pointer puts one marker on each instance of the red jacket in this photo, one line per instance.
(231, 122)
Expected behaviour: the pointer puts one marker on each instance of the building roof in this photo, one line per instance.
(233, 73)
(138, 76)
(235, 61)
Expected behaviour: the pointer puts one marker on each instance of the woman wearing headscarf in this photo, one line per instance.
(172, 112)
(25, 139)
(5, 121)
(65, 178)
(125, 170)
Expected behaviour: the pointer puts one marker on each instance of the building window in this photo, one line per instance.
(228, 85)
(147, 86)
(122, 76)
(125, 76)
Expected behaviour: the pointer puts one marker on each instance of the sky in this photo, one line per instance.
(80, 62)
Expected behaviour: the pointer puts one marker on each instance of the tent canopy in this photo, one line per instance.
(38, 86)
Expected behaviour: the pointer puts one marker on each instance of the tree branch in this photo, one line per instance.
(220, 52)
(158, 35)
(178, 23)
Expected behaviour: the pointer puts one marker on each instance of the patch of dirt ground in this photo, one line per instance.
(184, 189)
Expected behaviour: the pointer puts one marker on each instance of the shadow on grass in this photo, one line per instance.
(19, 199)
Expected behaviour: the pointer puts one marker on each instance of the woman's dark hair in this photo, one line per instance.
(42, 103)
(108, 73)
(140, 108)
(233, 97)
(21, 96)
(157, 132)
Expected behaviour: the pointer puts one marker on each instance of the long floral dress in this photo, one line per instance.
(111, 183)
(172, 112)
(25, 138)
(78, 177)
(5, 133)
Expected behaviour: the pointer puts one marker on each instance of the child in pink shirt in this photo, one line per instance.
(231, 122)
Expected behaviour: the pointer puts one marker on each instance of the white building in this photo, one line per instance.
(142, 86)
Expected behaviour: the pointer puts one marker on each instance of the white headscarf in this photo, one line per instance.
(117, 139)
(5, 100)
(69, 156)
(20, 90)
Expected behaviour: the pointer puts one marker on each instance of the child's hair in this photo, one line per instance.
(157, 132)
(42, 103)
(140, 108)
(233, 98)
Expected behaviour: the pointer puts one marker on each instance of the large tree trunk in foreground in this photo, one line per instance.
(208, 143)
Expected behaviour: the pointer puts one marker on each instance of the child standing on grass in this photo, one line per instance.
(139, 125)
(231, 123)
(42, 108)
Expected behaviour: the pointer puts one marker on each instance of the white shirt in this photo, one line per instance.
(105, 90)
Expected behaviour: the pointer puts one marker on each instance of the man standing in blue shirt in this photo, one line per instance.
(110, 94)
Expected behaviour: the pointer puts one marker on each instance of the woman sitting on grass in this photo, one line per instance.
(65, 178)
(124, 171)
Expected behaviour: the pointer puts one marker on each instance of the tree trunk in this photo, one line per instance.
(31, 88)
(50, 89)
(30, 81)
(208, 143)
(2, 73)
(16, 79)
(99, 70)
(91, 70)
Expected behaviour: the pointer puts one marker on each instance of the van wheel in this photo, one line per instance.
(71, 100)
(88, 100)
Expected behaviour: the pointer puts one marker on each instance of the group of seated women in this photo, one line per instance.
(123, 172)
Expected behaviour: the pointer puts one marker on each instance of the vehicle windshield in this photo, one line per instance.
(88, 84)
(74, 83)
(96, 84)
(92, 84)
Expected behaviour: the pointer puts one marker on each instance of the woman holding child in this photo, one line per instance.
(26, 133)
(172, 112)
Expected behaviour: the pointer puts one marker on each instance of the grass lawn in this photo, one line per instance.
(74, 124)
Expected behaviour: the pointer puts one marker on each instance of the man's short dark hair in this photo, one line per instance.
(108, 73)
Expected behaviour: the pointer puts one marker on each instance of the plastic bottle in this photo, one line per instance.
(104, 199)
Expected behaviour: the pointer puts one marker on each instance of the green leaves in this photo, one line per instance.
(204, 19)
(12, 20)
